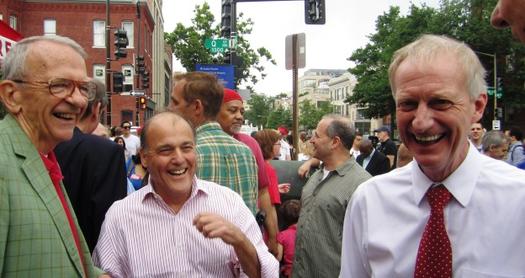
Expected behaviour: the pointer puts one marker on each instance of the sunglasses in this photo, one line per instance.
(126, 127)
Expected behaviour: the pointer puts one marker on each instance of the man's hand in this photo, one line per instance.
(284, 187)
(273, 246)
(215, 226)
(305, 167)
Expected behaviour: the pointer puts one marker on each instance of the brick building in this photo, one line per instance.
(85, 22)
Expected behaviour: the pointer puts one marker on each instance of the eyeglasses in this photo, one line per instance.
(63, 88)
(126, 127)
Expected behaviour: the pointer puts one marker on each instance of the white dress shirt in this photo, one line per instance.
(142, 237)
(485, 221)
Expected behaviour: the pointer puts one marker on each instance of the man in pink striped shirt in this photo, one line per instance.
(179, 225)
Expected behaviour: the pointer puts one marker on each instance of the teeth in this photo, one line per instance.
(178, 172)
(66, 116)
(427, 138)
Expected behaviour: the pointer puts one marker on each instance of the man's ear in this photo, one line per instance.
(336, 141)
(199, 107)
(143, 158)
(10, 96)
(479, 106)
(95, 114)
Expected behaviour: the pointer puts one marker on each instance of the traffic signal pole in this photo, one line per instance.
(108, 66)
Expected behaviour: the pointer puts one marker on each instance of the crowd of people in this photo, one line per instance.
(194, 197)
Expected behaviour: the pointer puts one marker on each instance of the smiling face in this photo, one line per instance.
(48, 119)
(434, 113)
(510, 13)
(170, 155)
(231, 116)
(476, 132)
(320, 140)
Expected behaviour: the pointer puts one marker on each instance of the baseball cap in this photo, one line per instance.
(383, 128)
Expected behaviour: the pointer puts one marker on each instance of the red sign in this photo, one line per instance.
(8, 37)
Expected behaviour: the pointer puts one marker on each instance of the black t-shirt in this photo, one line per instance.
(388, 148)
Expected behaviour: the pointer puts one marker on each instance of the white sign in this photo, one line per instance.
(496, 125)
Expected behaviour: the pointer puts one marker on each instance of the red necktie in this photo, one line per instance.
(434, 257)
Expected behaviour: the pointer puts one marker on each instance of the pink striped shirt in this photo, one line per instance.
(142, 237)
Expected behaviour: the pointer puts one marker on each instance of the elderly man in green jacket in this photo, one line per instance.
(45, 91)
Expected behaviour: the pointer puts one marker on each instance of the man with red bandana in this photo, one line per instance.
(452, 211)
(231, 119)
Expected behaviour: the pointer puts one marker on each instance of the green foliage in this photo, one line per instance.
(465, 20)
(260, 106)
(311, 115)
(187, 43)
(279, 116)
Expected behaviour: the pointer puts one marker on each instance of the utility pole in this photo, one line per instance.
(108, 66)
(137, 77)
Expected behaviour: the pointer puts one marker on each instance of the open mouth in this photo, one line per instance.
(178, 172)
(65, 116)
(428, 140)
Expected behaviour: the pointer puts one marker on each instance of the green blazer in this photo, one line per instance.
(35, 238)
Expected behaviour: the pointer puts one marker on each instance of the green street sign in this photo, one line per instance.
(499, 93)
(217, 45)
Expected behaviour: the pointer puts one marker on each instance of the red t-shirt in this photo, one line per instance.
(287, 239)
(273, 187)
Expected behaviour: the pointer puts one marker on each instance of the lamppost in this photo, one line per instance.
(495, 80)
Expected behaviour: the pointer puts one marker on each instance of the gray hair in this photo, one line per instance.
(427, 48)
(493, 138)
(100, 97)
(14, 66)
(341, 127)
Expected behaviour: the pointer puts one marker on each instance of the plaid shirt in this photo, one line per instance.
(226, 161)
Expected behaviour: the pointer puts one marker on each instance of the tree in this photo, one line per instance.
(465, 20)
(187, 44)
(260, 106)
(310, 115)
(278, 117)
(392, 32)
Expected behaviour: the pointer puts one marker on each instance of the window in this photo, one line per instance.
(99, 72)
(12, 21)
(128, 26)
(99, 33)
(50, 27)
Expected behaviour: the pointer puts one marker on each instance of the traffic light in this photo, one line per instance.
(226, 18)
(145, 79)
(118, 82)
(140, 65)
(314, 12)
(142, 103)
(500, 83)
(121, 42)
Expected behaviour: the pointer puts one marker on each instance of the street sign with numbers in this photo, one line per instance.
(217, 45)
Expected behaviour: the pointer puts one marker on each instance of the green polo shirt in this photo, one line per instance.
(226, 161)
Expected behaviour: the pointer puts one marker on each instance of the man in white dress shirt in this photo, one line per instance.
(179, 225)
(439, 89)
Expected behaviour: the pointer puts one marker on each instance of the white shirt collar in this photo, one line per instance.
(460, 183)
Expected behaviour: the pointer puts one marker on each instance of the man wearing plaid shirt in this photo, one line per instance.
(197, 97)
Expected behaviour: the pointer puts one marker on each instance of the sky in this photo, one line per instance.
(348, 25)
